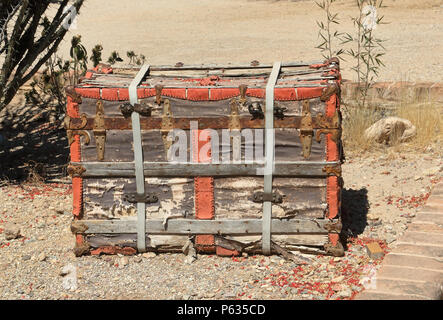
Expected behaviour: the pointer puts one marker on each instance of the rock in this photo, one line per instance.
(374, 250)
(123, 262)
(138, 259)
(338, 279)
(41, 257)
(12, 232)
(69, 274)
(372, 217)
(149, 255)
(391, 129)
(26, 257)
(344, 293)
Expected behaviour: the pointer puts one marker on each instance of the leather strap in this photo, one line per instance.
(138, 160)
(269, 157)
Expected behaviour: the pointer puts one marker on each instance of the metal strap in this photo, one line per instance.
(269, 155)
(138, 160)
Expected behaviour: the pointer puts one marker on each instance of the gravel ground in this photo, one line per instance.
(39, 264)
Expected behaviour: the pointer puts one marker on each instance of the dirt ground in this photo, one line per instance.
(223, 31)
(381, 195)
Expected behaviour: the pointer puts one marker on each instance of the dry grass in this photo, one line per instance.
(424, 114)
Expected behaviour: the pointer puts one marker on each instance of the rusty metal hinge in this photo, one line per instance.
(158, 94)
(306, 130)
(75, 171)
(136, 198)
(234, 119)
(99, 130)
(167, 124)
(333, 170)
(260, 197)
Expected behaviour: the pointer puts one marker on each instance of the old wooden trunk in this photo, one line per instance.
(229, 159)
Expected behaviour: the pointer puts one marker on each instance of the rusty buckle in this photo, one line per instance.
(306, 130)
(127, 109)
(274, 197)
(99, 130)
(136, 198)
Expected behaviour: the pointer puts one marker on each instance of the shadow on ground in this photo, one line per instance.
(33, 150)
(355, 206)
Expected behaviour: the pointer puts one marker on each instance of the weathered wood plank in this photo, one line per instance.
(170, 169)
(184, 123)
(219, 227)
(222, 66)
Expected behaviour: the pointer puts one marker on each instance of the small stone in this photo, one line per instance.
(123, 262)
(374, 250)
(41, 257)
(26, 257)
(338, 279)
(344, 293)
(149, 255)
(12, 232)
(371, 216)
(138, 259)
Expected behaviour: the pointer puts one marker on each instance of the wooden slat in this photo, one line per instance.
(223, 66)
(218, 227)
(170, 169)
(153, 123)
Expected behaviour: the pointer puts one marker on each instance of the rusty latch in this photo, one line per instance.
(260, 197)
(306, 130)
(127, 109)
(135, 198)
(99, 130)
